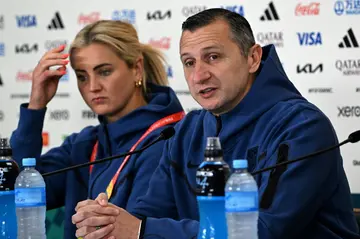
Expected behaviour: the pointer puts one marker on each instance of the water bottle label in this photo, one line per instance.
(211, 179)
(30, 197)
(7, 192)
(241, 202)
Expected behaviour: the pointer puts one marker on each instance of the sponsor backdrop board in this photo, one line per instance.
(317, 41)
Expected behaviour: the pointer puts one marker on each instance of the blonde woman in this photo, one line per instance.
(125, 83)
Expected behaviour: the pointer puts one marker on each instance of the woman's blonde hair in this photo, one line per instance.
(123, 39)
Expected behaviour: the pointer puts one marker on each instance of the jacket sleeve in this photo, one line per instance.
(158, 207)
(304, 186)
(26, 141)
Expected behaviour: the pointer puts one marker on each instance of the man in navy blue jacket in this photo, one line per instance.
(258, 114)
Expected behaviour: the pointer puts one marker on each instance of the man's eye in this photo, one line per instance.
(213, 57)
(189, 63)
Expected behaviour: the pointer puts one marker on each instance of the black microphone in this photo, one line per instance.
(353, 138)
(164, 135)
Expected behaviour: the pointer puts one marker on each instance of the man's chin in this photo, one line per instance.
(214, 109)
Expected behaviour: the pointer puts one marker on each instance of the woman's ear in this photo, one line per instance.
(139, 68)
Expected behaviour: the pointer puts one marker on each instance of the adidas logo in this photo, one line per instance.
(349, 40)
(270, 13)
(56, 22)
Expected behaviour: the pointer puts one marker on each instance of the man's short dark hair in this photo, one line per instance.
(241, 32)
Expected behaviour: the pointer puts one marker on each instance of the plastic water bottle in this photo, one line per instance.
(241, 203)
(9, 170)
(211, 177)
(30, 201)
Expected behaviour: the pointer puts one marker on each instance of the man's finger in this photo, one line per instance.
(85, 203)
(91, 210)
(109, 210)
(96, 221)
(102, 199)
(83, 231)
(100, 233)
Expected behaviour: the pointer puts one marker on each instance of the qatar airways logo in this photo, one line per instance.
(162, 43)
(51, 44)
(348, 67)
(188, 11)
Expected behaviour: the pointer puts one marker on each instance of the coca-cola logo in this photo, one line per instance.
(24, 76)
(162, 43)
(89, 18)
(310, 9)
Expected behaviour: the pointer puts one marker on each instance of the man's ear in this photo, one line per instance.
(254, 58)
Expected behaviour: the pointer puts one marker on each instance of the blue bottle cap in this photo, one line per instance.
(28, 162)
(240, 163)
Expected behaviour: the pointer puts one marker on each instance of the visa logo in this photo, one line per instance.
(309, 38)
(26, 21)
(235, 8)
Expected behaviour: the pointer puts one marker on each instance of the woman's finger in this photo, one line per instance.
(46, 64)
(55, 51)
(51, 73)
(54, 56)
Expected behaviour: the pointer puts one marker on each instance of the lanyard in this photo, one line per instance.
(160, 123)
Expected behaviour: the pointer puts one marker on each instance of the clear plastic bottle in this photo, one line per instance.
(241, 203)
(30, 201)
(9, 170)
